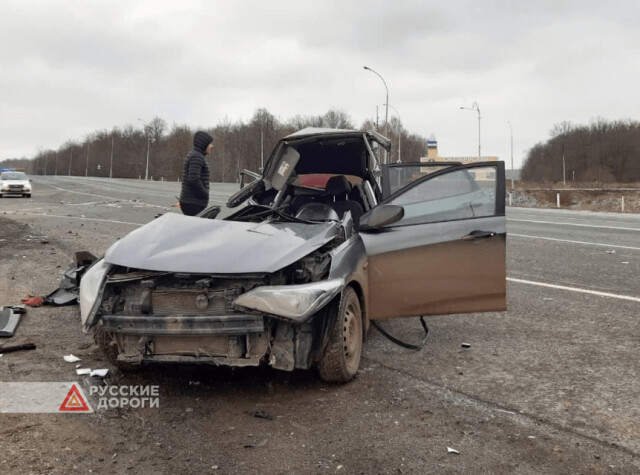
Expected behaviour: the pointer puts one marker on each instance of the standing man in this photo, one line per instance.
(194, 196)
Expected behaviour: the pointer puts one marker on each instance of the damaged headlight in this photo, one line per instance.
(297, 302)
(90, 287)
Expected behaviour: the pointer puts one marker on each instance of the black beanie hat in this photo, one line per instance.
(201, 141)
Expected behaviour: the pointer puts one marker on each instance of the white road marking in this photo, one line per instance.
(574, 289)
(575, 242)
(573, 224)
(622, 219)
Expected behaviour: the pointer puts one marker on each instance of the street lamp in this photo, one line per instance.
(511, 129)
(386, 113)
(475, 107)
(398, 131)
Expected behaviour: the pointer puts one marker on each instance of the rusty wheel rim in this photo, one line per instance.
(352, 333)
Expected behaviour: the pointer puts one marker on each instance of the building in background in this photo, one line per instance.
(432, 155)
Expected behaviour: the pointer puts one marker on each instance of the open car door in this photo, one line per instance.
(447, 253)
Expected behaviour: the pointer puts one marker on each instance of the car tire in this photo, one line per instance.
(28, 195)
(341, 357)
(110, 349)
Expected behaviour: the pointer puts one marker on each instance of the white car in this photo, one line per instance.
(14, 183)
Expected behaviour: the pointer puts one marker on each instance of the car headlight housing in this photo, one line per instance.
(27, 186)
(296, 302)
(91, 285)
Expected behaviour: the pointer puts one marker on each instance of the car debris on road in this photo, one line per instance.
(10, 319)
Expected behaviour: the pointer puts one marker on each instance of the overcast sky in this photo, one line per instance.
(68, 68)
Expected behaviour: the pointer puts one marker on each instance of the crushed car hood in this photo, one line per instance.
(177, 243)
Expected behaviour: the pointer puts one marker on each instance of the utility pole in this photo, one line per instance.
(46, 155)
(564, 176)
(86, 170)
(70, 160)
(511, 128)
(111, 165)
(261, 149)
(398, 133)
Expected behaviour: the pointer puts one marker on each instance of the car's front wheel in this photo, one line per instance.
(341, 357)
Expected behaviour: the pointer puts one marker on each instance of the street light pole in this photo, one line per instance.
(398, 132)
(386, 113)
(146, 172)
(511, 129)
(476, 108)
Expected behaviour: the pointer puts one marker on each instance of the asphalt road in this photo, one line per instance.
(551, 385)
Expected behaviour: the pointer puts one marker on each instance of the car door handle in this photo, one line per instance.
(478, 235)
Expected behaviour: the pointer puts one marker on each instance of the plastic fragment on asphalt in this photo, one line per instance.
(466, 345)
(262, 415)
(452, 451)
(547, 298)
(624, 262)
(82, 371)
(71, 359)
(99, 373)
(9, 319)
(610, 251)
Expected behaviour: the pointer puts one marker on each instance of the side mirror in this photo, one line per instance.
(381, 216)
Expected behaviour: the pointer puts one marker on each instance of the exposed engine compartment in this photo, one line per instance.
(179, 317)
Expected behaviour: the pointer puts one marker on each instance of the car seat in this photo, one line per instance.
(338, 187)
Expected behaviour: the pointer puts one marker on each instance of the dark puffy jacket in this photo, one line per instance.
(195, 178)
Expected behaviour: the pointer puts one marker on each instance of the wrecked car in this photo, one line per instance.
(293, 269)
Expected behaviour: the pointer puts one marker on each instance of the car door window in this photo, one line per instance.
(458, 194)
(397, 176)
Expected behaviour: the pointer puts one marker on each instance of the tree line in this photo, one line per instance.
(601, 152)
(122, 152)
